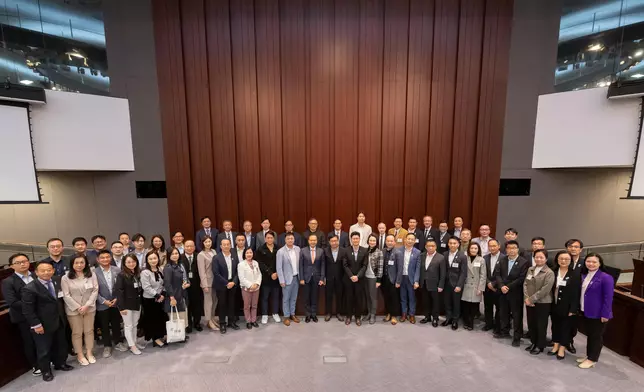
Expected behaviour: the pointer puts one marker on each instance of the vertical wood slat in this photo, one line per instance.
(172, 95)
(269, 103)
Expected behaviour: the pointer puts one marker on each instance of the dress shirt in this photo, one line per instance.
(180, 248)
(451, 257)
(27, 279)
(229, 265)
(118, 262)
(511, 264)
(429, 259)
(312, 255)
(364, 230)
(355, 252)
(229, 236)
(108, 277)
(483, 244)
(457, 232)
(207, 231)
(533, 262)
(249, 237)
(337, 233)
(240, 254)
(560, 279)
(335, 254)
(49, 285)
(141, 257)
(584, 286)
(493, 260)
(406, 261)
(293, 257)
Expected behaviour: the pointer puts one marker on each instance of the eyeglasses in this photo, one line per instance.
(20, 262)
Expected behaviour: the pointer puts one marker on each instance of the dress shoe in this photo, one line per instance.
(394, 321)
(233, 326)
(487, 328)
(327, 318)
(412, 319)
(222, 329)
(587, 364)
(454, 325)
(47, 376)
(426, 320)
(530, 347)
(314, 318)
(358, 321)
(435, 323)
(387, 318)
(403, 318)
(347, 321)
(198, 327)
(189, 330)
(64, 367)
(526, 335)
(295, 319)
(446, 323)
(340, 317)
(571, 348)
(254, 324)
(287, 321)
(372, 319)
(536, 351)
(249, 326)
(516, 342)
(107, 352)
(307, 319)
(467, 328)
(561, 357)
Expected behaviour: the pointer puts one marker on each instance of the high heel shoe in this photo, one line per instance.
(586, 365)
(160, 344)
(561, 358)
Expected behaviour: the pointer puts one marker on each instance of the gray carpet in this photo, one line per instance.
(378, 357)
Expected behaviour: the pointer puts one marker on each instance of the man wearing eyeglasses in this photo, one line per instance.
(11, 287)
(55, 249)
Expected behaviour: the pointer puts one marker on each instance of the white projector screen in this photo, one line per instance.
(18, 183)
(637, 181)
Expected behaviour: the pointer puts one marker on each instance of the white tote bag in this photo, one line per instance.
(175, 327)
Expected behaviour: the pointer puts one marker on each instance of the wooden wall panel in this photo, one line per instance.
(395, 103)
(221, 110)
(269, 106)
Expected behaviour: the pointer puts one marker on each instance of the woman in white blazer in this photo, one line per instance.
(204, 264)
(250, 278)
(474, 285)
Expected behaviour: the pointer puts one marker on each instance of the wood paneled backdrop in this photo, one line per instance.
(299, 108)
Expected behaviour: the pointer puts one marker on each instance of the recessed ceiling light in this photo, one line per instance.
(594, 48)
(26, 82)
(638, 53)
(637, 76)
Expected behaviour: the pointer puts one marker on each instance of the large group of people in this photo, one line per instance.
(129, 291)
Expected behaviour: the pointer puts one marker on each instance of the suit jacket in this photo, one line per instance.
(11, 288)
(344, 238)
(128, 292)
(355, 265)
(413, 269)
(253, 241)
(40, 308)
(200, 236)
(457, 269)
(104, 293)
(441, 243)
(61, 267)
(420, 241)
(281, 240)
(267, 261)
(322, 243)
(513, 278)
(598, 298)
(195, 280)
(566, 297)
(221, 236)
(259, 238)
(334, 268)
(451, 232)
(433, 276)
(433, 233)
(488, 267)
(312, 270)
(390, 267)
(475, 280)
(285, 271)
(399, 238)
(220, 270)
(539, 287)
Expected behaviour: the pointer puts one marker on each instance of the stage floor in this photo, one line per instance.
(371, 357)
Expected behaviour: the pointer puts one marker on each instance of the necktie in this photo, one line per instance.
(228, 236)
(312, 256)
(381, 241)
(50, 288)
(426, 233)
(208, 232)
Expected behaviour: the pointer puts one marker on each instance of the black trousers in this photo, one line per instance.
(355, 297)
(273, 291)
(431, 305)
(511, 305)
(392, 297)
(538, 323)
(155, 319)
(110, 320)
(573, 325)
(492, 314)
(469, 311)
(311, 296)
(51, 347)
(561, 328)
(226, 304)
(28, 343)
(452, 302)
(595, 337)
(195, 305)
(334, 289)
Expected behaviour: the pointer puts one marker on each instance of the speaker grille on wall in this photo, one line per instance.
(150, 190)
(515, 187)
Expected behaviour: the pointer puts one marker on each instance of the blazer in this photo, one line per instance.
(488, 267)
(253, 241)
(400, 237)
(11, 287)
(40, 308)
(204, 265)
(344, 238)
(92, 257)
(128, 292)
(475, 280)
(79, 292)
(312, 269)
(221, 236)
(433, 233)
(355, 264)
(267, 261)
(283, 264)
(322, 243)
(598, 297)
(152, 288)
(220, 271)
(200, 236)
(413, 269)
(433, 276)
(420, 241)
(457, 269)
(259, 238)
(249, 275)
(104, 293)
(334, 267)
(173, 277)
(566, 297)
(281, 240)
(442, 240)
(389, 263)
(513, 278)
(192, 271)
(539, 287)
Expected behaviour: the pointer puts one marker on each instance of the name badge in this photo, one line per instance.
(528, 277)
(89, 285)
(391, 262)
(477, 264)
(399, 240)
(443, 245)
(60, 294)
(454, 265)
(136, 285)
(417, 240)
(562, 283)
(189, 275)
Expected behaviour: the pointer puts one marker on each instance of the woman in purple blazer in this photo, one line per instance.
(596, 306)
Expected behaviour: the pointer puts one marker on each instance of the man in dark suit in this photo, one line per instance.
(249, 236)
(266, 227)
(407, 260)
(456, 264)
(389, 275)
(312, 272)
(443, 238)
(429, 231)
(355, 265)
(432, 280)
(206, 230)
(55, 249)
(195, 293)
(228, 233)
(509, 279)
(412, 227)
(314, 229)
(124, 238)
(575, 247)
(343, 236)
(80, 246)
(381, 235)
(289, 229)
(99, 243)
(226, 283)
(492, 293)
(45, 316)
(11, 287)
(457, 229)
(335, 256)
